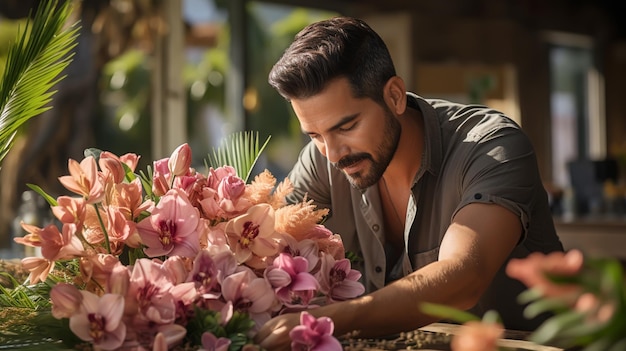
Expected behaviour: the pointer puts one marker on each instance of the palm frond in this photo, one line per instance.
(34, 64)
(240, 150)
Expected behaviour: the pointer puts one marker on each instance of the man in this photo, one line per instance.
(434, 196)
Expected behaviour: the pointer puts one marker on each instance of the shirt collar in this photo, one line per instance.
(432, 156)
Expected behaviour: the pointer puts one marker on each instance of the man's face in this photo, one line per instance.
(358, 136)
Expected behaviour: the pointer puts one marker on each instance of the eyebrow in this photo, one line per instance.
(344, 120)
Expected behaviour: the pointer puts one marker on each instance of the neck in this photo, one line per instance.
(408, 156)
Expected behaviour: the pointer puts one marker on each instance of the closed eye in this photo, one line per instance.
(347, 127)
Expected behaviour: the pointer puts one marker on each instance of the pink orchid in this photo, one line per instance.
(248, 292)
(314, 334)
(150, 286)
(291, 280)
(178, 267)
(253, 233)
(226, 313)
(212, 343)
(83, 180)
(66, 300)
(338, 280)
(204, 272)
(213, 235)
(172, 229)
(119, 280)
(159, 344)
(224, 261)
(100, 320)
(306, 248)
(180, 160)
(170, 335)
(185, 295)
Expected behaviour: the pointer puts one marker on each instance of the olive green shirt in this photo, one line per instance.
(471, 154)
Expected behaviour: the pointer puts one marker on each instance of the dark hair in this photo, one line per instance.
(329, 49)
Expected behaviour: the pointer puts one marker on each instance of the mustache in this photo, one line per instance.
(349, 160)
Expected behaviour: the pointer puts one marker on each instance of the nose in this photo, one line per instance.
(333, 149)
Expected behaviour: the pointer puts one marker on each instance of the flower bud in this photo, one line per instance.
(180, 160)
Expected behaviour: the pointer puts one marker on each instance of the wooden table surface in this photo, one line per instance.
(512, 339)
(437, 337)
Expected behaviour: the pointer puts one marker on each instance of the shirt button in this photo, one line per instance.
(478, 196)
(378, 269)
(375, 227)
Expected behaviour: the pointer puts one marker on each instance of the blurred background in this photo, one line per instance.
(149, 75)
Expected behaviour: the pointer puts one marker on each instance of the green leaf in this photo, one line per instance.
(240, 150)
(491, 317)
(51, 201)
(552, 328)
(545, 305)
(34, 64)
(447, 312)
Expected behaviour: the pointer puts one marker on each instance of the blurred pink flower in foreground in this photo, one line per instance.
(477, 336)
(314, 334)
(533, 271)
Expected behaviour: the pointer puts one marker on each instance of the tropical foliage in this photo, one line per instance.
(33, 67)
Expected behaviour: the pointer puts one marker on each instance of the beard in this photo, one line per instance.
(379, 162)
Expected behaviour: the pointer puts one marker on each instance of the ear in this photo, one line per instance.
(395, 95)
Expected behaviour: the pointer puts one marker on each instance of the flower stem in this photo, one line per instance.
(104, 229)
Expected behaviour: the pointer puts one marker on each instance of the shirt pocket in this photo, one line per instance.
(421, 259)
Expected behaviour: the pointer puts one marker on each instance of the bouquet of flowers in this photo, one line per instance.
(176, 256)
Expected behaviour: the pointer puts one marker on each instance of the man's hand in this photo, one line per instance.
(274, 335)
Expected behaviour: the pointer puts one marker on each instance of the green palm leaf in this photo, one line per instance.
(35, 61)
(240, 150)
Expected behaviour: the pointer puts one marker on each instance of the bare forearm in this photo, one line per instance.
(396, 308)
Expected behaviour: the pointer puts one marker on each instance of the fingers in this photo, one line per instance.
(277, 339)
